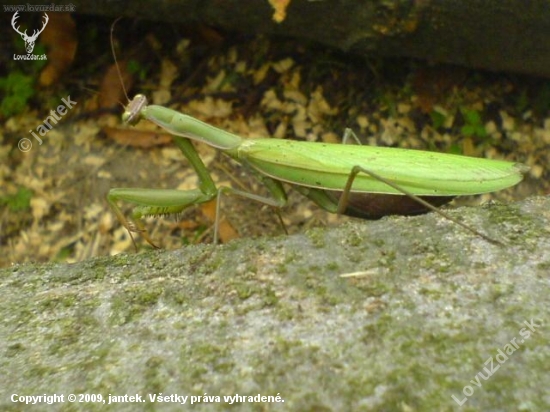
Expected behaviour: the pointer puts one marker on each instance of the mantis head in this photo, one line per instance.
(132, 113)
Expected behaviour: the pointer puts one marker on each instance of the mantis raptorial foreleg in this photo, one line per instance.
(159, 202)
(156, 202)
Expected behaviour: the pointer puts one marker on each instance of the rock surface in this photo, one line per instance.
(432, 308)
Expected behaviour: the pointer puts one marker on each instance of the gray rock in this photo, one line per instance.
(432, 311)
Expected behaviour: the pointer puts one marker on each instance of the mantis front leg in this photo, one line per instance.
(152, 202)
(159, 202)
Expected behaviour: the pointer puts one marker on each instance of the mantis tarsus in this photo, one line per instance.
(340, 178)
(361, 181)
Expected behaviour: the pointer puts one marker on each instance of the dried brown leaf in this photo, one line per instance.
(59, 36)
(432, 84)
(280, 9)
(226, 231)
(111, 91)
(137, 138)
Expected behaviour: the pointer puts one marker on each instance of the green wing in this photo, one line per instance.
(327, 166)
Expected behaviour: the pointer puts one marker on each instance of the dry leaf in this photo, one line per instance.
(111, 91)
(226, 231)
(168, 73)
(280, 9)
(137, 138)
(59, 36)
(432, 85)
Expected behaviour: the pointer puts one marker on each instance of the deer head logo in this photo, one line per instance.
(29, 40)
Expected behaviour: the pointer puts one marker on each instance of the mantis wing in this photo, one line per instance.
(328, 166)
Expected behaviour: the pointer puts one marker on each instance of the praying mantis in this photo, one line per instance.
(361, 181)
(343, 179)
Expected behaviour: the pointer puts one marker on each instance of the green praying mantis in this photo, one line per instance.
(346, 179)
(361, 181)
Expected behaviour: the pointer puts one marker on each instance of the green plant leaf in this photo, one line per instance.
(19, 201)
(438, 119)
(473, 124)
(17, 89)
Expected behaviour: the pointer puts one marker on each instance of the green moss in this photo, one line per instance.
(500, 290)
(516, 227)
(543, 265)
(269, 297)
(244, 290)
(317, 237)
(354, 239)
(97, 358)
(332, 266)
(132, 302)
(251, 268)
(388, 258)
(177, 294)
(285, 347)
(281, 269)
(213, 265)
(155, 374)
(50, 303)
(286, 313)
(39, 371)
(202, 359)
(62, 339)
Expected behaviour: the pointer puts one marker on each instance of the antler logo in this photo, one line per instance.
(29, 40)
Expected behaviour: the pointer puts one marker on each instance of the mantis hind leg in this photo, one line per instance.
(370, 205)
(349, 134)
(346, 194)
(377, 205)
